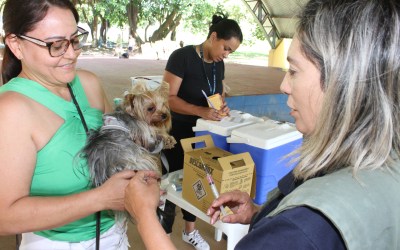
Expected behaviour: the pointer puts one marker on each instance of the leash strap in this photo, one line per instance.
(98, 218)
(78, 109)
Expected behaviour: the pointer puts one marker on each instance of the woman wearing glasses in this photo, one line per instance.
(44, 185)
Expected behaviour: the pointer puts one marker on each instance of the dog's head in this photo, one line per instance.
(149, 105)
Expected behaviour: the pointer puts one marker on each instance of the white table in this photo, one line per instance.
(234, 232)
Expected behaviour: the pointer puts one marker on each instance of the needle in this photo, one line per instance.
(212, 185)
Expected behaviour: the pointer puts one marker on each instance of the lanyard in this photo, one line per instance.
(214, 72)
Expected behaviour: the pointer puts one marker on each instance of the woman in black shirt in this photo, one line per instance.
(192, 71)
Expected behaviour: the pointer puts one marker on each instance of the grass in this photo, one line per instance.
(248, 55)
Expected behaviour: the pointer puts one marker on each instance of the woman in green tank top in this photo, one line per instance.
(42, 132)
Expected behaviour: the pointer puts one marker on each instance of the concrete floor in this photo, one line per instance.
(8, 242)
(115, 74)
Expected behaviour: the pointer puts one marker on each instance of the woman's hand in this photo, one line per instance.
(210, 113)
(214, 114)
(142, 195)
(142, 198)
(239, 202)
(224, 110)
(113, 190)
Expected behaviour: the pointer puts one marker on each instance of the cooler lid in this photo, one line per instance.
(152, 82)
(224, 127)
(266, 135)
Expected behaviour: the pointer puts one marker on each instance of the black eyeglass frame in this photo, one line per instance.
(84, 34)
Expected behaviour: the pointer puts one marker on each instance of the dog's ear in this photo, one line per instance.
(128, 103)
(164, 89)
(139, 87)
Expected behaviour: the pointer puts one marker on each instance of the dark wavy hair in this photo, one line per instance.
(20, 17)
(225, 28)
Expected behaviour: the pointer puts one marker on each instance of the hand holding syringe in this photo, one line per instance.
(212, 186)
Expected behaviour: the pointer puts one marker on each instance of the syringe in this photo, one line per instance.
(212, 186)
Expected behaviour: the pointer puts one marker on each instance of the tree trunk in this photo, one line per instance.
(92, 25)
(173, 27)
(170, 24)
(94, 31)
(145, 33)
(103, 31)
(132, 9)
(173, 35)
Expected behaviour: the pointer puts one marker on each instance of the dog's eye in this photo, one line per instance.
(151, 109)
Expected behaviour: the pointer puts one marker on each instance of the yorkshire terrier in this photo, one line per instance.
(151, 106)
(132, 137)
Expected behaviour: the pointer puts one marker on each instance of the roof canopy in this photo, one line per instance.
(277, 17)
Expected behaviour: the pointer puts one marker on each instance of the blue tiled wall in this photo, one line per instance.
(271, 105)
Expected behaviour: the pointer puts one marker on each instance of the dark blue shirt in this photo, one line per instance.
(297, 228)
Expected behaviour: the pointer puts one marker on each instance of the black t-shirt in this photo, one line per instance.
(186, 64)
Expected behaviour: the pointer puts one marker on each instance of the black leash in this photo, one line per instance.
(78, 108)
(98, 218)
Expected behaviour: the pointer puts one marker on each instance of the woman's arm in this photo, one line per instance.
(25, 128)
(142, 197)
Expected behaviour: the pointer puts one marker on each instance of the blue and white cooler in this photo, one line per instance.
(267, 143)
(220, 130)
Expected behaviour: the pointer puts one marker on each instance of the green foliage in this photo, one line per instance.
(259, 34)
(195, 14)
(192, 16)
(114, 11)
(248, 55)
(232, 11)
(198, 16)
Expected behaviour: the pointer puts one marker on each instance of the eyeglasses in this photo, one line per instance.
(58, 48)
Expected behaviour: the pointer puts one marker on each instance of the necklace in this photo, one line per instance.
(214, 72)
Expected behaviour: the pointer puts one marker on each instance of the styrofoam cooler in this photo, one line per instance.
(220, 130)
(152, 82)
(267, 143)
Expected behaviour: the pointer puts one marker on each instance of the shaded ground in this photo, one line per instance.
(115, 74)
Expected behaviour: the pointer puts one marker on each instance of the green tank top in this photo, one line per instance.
(59, 171)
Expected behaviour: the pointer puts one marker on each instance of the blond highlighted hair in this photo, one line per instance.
(356, 45)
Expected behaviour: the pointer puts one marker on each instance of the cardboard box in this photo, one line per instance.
(229, 171)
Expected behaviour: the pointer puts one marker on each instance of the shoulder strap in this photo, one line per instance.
(78, 108)
(79, 92)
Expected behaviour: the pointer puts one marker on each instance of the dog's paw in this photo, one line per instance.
(169, 142)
